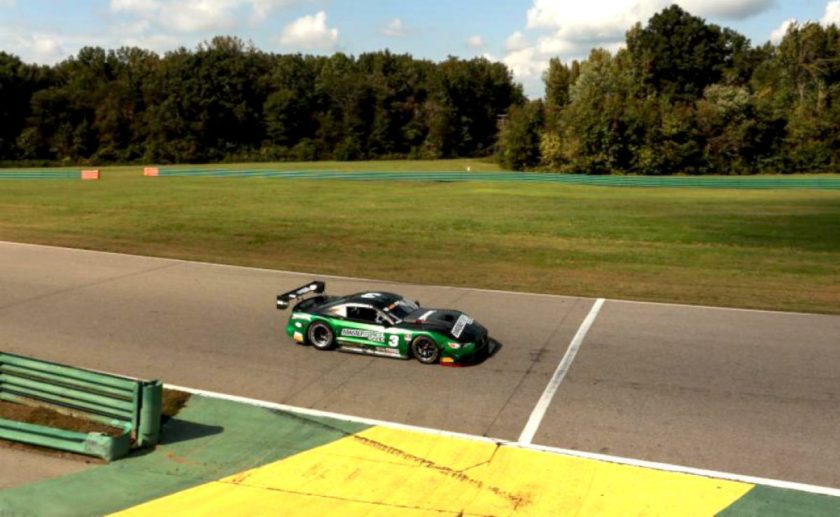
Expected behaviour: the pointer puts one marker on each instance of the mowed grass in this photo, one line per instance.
(757, 249)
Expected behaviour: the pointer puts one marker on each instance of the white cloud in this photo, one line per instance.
(832, 13)
(44, 48)
(394, 29)
(569, 29)
(516, 41)
(159, 43)
(727, 9)
(7, 3)
(33, 46)
(135, 6)
(475, 41)
(310, 32)
(198, 15)
(777, 35)
(525, 62)
(263, 8)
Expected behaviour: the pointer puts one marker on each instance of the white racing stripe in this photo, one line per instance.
(538, 413)
(789, 485)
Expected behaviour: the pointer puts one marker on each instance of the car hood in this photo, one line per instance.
(454, 324)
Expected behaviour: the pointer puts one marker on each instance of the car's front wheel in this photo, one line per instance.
(425, 350)
(320, 335)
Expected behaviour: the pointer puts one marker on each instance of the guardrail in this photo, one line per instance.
(709, 182)
(131, 405)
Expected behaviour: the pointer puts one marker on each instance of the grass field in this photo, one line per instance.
(770, 249)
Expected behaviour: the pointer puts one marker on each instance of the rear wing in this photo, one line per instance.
(283, 300)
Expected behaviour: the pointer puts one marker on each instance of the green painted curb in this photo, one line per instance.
(209, 439)
(764, 501)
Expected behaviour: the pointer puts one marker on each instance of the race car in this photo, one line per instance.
(383, 324)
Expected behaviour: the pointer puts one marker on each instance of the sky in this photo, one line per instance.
(524, 34)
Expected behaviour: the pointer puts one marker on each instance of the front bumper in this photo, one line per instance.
(469, 353)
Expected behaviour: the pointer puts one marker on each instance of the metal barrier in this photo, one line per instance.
(131, 405)
(793, 181)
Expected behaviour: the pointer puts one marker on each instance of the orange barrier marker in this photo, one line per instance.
(90, 174)
(151, 171)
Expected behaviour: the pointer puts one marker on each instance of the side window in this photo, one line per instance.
(340, 311)
(364, 314)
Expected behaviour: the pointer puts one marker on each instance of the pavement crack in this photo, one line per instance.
(84, 286)
(535, 359)
(517, 501)
(353, 500)
(315, 380)
(487, 461)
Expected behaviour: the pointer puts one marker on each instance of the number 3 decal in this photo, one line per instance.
(394, 341)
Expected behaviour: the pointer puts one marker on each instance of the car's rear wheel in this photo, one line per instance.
(320, 335)
(425, 350)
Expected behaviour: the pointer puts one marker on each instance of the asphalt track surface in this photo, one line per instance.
(748, 392)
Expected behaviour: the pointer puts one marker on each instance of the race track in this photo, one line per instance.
(749, 392)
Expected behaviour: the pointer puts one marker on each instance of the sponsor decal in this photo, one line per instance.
(301, 316)
(371, 295)
(371, 335)
(459, 326)
(394, 341)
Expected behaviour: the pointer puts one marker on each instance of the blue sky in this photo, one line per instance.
(522, 33)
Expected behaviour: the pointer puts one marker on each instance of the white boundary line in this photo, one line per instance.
(538, 413)
(753, 480)
(394, 282)
(335, 416)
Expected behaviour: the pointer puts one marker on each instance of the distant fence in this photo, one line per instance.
(758, 182)
(711, 182)
(39, 175)
(131, 405)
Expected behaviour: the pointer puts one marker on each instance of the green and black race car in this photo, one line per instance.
(384, 324)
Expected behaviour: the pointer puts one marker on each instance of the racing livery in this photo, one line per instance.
(383, 324)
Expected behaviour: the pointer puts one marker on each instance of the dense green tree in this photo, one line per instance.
(520, 136)
(558, 81)
(679, 54)
(18, 83)
(686, 96)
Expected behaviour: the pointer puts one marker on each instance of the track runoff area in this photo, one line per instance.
(591, 406)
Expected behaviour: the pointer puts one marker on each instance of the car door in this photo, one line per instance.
(364, 326)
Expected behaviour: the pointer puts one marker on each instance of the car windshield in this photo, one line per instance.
(402, 308)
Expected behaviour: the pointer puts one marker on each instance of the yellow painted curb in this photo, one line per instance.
(391, 472)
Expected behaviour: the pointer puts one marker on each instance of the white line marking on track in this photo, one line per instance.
(538, 413)
(790, 485)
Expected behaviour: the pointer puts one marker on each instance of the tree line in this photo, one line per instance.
(682, 95)
(227, 101)
(686, 96)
